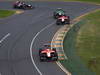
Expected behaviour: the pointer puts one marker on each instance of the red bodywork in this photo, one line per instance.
(48, 52)
(63, 17)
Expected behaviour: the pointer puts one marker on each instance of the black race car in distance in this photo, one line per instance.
(63, 20)
(47, 54)
(22, 5)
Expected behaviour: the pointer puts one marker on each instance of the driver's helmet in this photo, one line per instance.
(60, 13)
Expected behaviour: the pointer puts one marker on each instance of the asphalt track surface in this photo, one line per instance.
(19, 32)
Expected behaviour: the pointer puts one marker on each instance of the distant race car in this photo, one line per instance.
(63, 20)
(58, 13)
(22, 5)
(47, 54)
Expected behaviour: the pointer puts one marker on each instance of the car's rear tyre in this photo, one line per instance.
(58, 23)
(25, 8)
(56, 59)
(56, 16)
(14, 6)
(42, 59)
(54, 49)
(40, 51)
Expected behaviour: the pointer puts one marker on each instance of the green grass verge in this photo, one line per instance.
(91, 1)
(74, 63)
(95, 1)
(88, 42)
(81, 46)
(6, 13)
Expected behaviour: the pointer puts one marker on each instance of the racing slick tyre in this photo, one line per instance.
(58, 23)
(54, 49)
(55, 58)
(40, 51)
(25, 8)
(55, 54)
(42, 59)
(55, 16)
(14, 6)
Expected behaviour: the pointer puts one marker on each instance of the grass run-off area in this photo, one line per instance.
(82, 46)
(92, 1)
(6, 13)
(88, 42)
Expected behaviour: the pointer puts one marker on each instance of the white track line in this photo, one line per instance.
(4, 37)
(32, 42)
(60, 65)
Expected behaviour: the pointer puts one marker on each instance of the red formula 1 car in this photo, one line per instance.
(47, 54)
(63, 20)
(22, 5)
